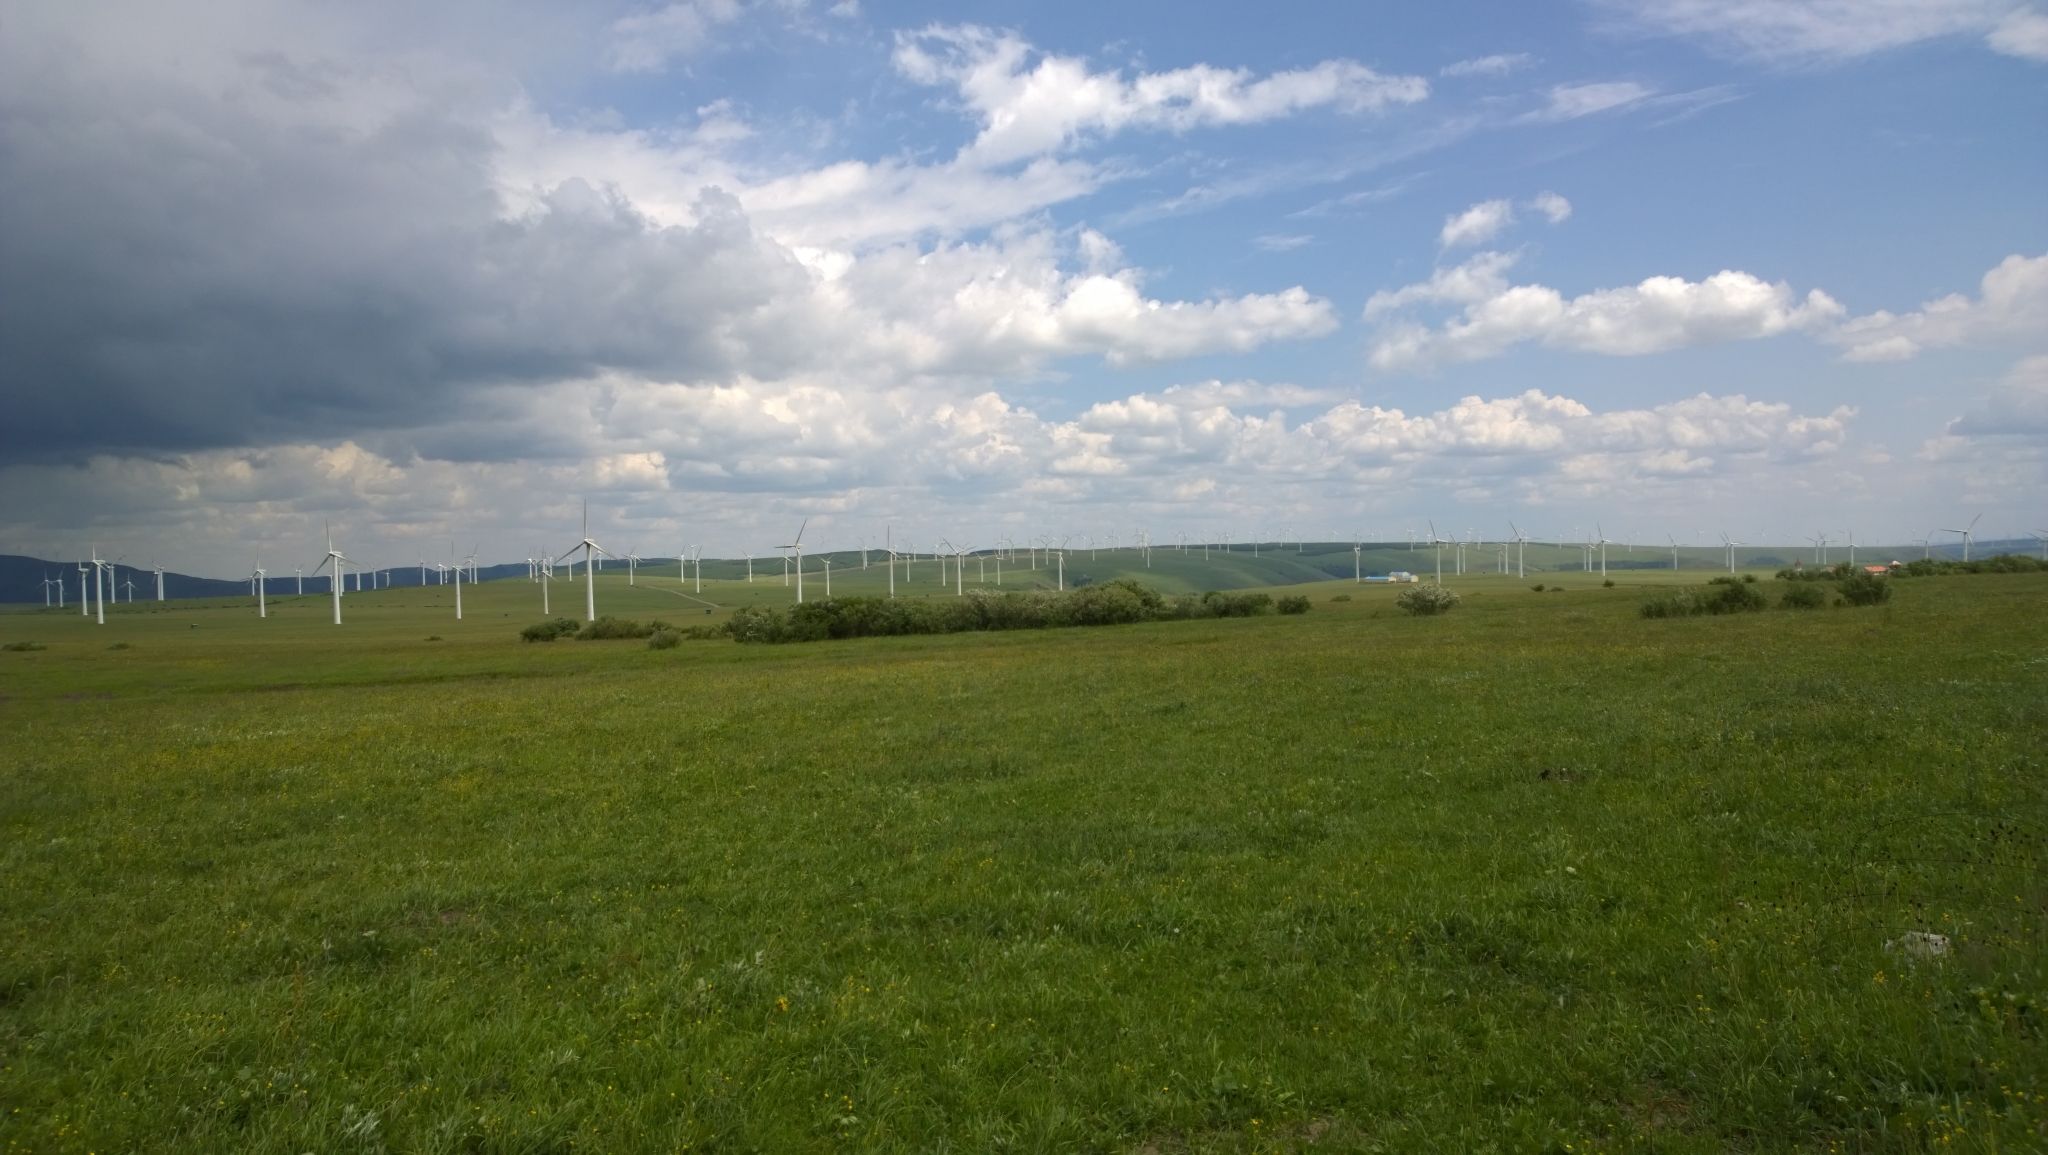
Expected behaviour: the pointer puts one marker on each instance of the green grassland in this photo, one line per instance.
(1536, 875)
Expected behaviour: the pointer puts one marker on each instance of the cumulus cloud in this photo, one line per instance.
(662, 459)
(1793, 31)
(1488, 219)
(1476, 225)
(2012, 304)
(1656, 315)
(1553, 206)
(1032, 108)
(1499, 64)
(302, 252)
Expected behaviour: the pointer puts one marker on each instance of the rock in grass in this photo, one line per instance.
(1919, 946)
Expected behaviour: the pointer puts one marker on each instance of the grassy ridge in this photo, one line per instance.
(1536, 873)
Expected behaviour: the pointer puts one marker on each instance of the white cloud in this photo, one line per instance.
(1572, 101)
(1481, 276)
(1499, 64)
(1552, 206)
(1657, 315)
(1476, 225)
(2023, 33)
(646, 41)
(2012, 304)
(1792, 31)
(1031, 109)
(669, 462)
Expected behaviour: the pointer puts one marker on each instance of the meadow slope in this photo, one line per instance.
(1537, 875)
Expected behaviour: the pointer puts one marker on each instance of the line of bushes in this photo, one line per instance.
(1729, 595)
(1924, 567)
(605, 629)
(1101, 604)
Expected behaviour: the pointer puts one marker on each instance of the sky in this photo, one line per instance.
(437, 275)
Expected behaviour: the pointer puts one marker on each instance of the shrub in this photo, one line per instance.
(1341, 598)
(1423, 601)
(1804, 596)
(1608, 584)
(1294, 604)
(120, 646)
(548, 631)
(1538, 587)
(1865, 589)
(23, 647)
(607, 629)
(1736, 598)
(1678, 605)
(664, 639)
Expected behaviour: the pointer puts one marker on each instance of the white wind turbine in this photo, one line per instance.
(159, 572)
(591, 552)
(1731, 543)
(469, 563)
(632, 566)
(1966, 531)
(332, 563)
(1439, 544)
(1674, 552)
(1820, 548)
(84, 591)
(262, 609)
(1521, 541)
(1603, 541)
(99, 592)
(797, 548)
(130, 583)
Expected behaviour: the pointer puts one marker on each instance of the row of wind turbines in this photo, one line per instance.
(98, 572)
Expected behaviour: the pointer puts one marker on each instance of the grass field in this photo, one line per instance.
(1537, 875)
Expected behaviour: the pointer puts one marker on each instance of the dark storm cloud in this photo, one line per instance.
(306, 250)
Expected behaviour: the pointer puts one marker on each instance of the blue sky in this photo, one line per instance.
(1669, 265)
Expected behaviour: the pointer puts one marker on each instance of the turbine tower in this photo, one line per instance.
(591, 552)
(797, 546)
(332, 563)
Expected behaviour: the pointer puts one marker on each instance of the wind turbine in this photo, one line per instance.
(159, 572)
(1521, 541)
(1820, 548)
(1437, 542)
(1731, 544)
(591, 552)
(1674, 553)
(1357, 563)
(468, 563)
(335, 560)
(99, 573)
(797, 546)
(1966, 531)
(2041, 535)
(1603, 542)
(632, 566)
(262, 610)
(889, 547)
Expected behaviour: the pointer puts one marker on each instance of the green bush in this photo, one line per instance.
(1678, 605)
(1293, 604)
(23, 647)
(1735, 598)
(607, 629)
(1865, 589)
(1341, 598)
(1538, 587)
(548, 631)
(1804, 596)
(1101, 604)
(1424, 601)
(1608, 584)
(664, 639)
(1722, 595)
